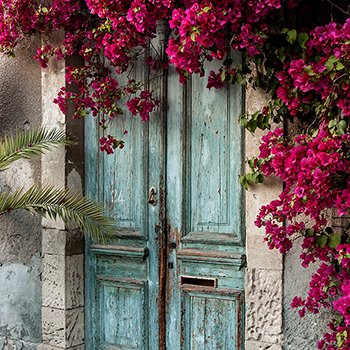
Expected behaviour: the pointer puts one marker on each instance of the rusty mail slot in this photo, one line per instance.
(199, 281)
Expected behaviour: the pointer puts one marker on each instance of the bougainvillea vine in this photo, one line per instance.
(300, 58)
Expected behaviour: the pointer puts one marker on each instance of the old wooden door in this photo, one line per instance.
(172, 278)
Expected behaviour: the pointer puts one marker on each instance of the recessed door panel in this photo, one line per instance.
(121, 314)
(214, 151)
(210, 319)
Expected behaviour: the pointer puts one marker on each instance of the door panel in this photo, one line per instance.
(210, 319)
(213, 144)
(205, 217)
(122, 285)
(121, 313)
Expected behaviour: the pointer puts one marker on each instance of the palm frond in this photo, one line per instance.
(26, 144)
(60, 203)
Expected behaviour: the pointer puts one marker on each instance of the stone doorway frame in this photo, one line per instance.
(63, 249)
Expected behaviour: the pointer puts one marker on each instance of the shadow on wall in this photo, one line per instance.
(20, 233)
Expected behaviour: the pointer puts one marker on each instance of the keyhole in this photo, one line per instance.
(152, 198)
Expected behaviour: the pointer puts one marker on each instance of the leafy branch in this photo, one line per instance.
(49, 201)
(60, 203)
(24, 145)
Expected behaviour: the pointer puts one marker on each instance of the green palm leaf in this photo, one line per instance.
(26, 144)
(60, 203)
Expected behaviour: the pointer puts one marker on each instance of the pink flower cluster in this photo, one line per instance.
(202, 29)
(315, 173)
(322, 75)
(330, 285)
(109, 144)
(13, 12)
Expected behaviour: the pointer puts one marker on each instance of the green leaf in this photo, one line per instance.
(309, 232)
(281, 54)
(223, 76)
(334, 240)
(251, 163)
(330, 62)
(291, 36)
(260, 162)
(244, 121)
(332, 124)
(332, 75)
(341, 338)
(342, 124)
(260, 178)
(309, 71)
(243, 180)
(302, 39)
(339, 66)
(321, 241)
(341, 127)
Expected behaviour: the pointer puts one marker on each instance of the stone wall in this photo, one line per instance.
(62, 246)
(300, 333)
(20, 233)
(264, 274)
(41, 262)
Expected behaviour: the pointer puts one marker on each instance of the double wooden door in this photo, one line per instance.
(173, 275)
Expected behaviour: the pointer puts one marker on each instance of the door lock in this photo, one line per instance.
(152, 198)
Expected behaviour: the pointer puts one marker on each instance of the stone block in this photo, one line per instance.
(74, 180)
(49, 347)
(264, 306)
(54, 327)
(256, 98)
(63, 281)
(13, 344)
(259, 195)
(53, 172)
(63, 329)
(74, 281)
(56, 155)
(260, 256)
(253, 345)
(53, 281)
(75, 327)
(62, 242)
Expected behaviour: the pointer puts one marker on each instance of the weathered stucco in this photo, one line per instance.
(20, 233)
(300, 333)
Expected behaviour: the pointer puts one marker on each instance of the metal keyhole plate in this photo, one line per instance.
(152, 198)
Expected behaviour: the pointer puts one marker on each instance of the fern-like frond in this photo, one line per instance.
(26, 144)
(60, 203)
